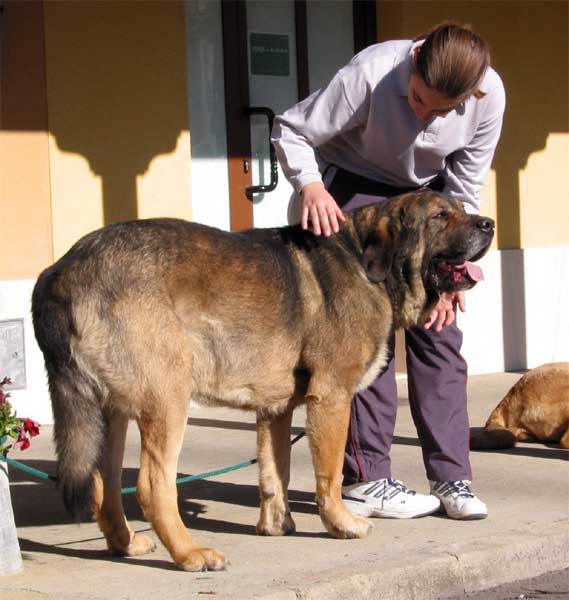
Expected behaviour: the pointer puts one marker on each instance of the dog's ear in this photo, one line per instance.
(378, 253)
(408, 241)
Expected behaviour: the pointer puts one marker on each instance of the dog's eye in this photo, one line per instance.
(441, 215)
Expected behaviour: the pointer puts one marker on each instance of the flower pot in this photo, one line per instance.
(10, 556)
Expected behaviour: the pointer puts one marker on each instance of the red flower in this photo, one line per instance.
(6, 381)
(23, 442)
(31, 427)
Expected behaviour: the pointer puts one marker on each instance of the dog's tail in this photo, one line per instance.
(75, 396)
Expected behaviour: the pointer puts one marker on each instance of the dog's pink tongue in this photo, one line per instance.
(465, 269)
(474, 271)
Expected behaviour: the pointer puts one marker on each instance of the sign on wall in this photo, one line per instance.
(12, 357)
(270, 54)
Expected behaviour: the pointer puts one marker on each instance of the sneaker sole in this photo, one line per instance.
(385, 514)
(364, 510)
(477, 517)
(459, 517)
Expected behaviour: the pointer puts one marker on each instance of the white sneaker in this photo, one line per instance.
(458, 500)
(387, 498)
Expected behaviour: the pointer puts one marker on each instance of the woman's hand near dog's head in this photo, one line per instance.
(444, 311)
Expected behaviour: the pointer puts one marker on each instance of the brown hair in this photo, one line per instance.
(452, 60)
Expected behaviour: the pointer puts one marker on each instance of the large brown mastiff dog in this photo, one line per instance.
(139, 317)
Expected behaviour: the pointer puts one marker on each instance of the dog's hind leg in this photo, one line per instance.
(162, 428)
(107, 499)
(273, 453)
(327, 426)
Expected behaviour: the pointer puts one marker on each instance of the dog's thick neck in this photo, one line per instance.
(398, 247)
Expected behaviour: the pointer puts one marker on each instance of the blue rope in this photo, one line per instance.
(131, 490)
(30, 470)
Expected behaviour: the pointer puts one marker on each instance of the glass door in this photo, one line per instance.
(273, 87)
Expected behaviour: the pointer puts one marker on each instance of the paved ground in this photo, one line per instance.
(526, 534)
(550, 586)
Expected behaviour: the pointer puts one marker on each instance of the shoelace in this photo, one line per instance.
(388, 489)
(460, 489)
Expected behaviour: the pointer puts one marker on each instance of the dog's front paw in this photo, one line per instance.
(343, 525)
(278, 525)
(204, 559)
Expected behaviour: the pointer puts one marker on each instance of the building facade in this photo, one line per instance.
(122, 110)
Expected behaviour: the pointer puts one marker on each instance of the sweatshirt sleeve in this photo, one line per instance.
(300, 130)
(467, 168)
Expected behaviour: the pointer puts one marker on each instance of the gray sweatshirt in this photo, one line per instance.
(362, 122)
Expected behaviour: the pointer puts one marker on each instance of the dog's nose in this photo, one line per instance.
(485, 223)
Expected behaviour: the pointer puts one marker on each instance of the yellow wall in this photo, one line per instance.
(529, 42)
(118, 114)
(95, 120)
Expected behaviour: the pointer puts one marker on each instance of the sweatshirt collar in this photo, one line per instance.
(404, 65)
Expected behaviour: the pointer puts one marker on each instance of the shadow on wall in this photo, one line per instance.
(113, 88)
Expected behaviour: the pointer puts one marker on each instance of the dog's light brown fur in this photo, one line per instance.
(139, 317)
(535, 408)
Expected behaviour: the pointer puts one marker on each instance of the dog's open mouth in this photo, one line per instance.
(447, 276)
(466, 271)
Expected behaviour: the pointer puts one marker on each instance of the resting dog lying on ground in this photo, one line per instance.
(138, 317)
(535, 408)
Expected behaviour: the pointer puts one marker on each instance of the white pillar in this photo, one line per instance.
(10, 556)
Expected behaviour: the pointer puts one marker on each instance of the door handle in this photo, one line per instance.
(257, 189)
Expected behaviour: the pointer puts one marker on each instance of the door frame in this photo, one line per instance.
(236, 79)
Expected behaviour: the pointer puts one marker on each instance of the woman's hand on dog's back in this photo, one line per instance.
(319, 211)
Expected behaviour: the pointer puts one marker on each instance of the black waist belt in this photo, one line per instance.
(346, 184)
